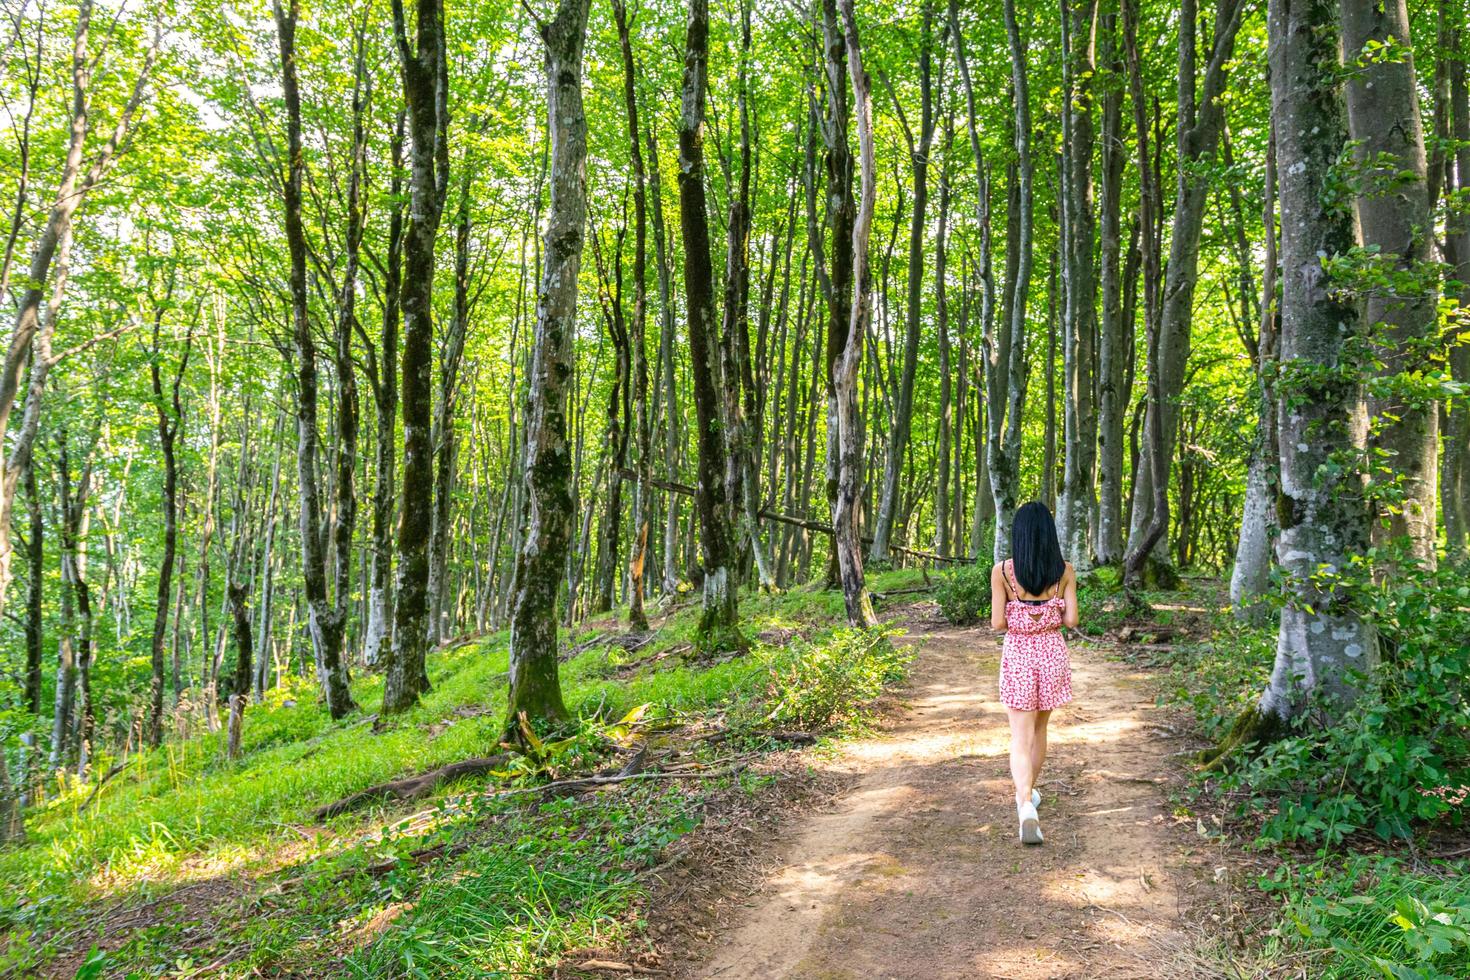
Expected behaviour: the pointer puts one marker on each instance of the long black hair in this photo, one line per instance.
(1035, 550)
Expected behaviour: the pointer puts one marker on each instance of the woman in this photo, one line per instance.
(1032, 596)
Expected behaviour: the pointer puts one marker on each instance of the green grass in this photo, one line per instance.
(519, 880)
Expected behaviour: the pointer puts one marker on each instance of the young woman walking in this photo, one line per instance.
(1033, 595)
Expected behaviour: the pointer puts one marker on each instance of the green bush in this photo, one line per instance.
(825, 685)
(1370, 917)
(964, 594)
(1402, 753)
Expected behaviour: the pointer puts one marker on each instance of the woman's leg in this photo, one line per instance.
(1038, 744)
(1023, 751)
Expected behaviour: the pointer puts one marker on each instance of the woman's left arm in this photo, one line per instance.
(1070, 616)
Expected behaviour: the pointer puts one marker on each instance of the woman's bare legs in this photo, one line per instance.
(1038, 744)
(1025, 760)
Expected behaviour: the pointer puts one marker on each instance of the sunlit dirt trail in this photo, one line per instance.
(917, 872)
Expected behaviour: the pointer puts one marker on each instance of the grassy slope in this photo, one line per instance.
(517, 882)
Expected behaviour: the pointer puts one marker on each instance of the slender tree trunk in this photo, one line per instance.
(35, 592)
(425, 72)
(642, 502)
(902, 422)
(1116, 335)
(1455, 481)
(941, 309)
(1077, 500)
(446, 443)
(1324, 646)
(719, 621)
(1005, 372)
(1394, 215)
(323, 620)
(1250, 578)
(377, 645)
(534, 689)
(1198, 127)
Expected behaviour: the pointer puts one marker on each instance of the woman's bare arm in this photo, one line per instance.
(1070, 616)
(997, 598)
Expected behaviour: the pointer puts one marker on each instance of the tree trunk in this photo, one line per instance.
(1250, 578)
(1455, 481)
(1198, 133)
(1324, 646)
(941, 309)
(323, 620)
(1077, 500)
(1005, 371)
(534, 689)
(237, 594)
(446, 444)
(425, 72)
(1394, 215)
(35, 592)
(1116, 334)
(898, 434)
(719, 621)
(642, 504)
(377, 644)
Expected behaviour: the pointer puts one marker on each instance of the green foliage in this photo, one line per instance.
(964, 594)
(1372, 917)
(820, 686)
(1401, 755)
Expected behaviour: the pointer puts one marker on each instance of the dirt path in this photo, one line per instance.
(917, 871)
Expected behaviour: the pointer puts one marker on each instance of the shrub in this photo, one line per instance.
(825, 685)
(964, 594)
(1402, 753)
(1373, 918)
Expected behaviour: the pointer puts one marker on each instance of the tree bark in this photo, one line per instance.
(1323, 646)
(534, 689)
(425, 72)
(1455, 481)
(919, 145)
(1116, 333)
(324, 623)
(1394, 215)
(1198, 125)
(719, 619)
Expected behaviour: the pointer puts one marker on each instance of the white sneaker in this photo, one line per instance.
(1030, 824)
(1035, 796)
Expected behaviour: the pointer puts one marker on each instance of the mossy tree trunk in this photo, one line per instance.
(535, 689)
(719, 620)
(1324, 647)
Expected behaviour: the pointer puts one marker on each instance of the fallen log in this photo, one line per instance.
(411, 787)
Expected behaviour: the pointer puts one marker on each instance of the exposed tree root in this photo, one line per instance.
(411, 787)
(1251, 727)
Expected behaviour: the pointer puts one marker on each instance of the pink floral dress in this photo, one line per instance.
(1035, 669)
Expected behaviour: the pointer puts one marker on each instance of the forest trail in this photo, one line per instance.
(916, 871)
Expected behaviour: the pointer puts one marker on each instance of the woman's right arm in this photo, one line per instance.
(997, 599)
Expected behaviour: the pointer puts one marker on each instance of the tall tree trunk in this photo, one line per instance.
(1116, 334)
(237, 594)
(377, 645)
(846, 519)
(1199, 121)
(1455, 481)
(1324, 646)
(1394, 215)
(719, 621)
(919, 145)
(446, 444)
(425, 72)
(666, 336)
(1250, 578)
(170, 416)
(1079, 357)
(534, 688)
(642, 502)
(1005, 370)
(322, 617)
(35, 592)
(941, 309)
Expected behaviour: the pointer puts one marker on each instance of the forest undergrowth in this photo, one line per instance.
(188, 864)
(1349, 841)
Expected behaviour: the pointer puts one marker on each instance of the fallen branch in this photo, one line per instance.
(116, 768)
(411, 787)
